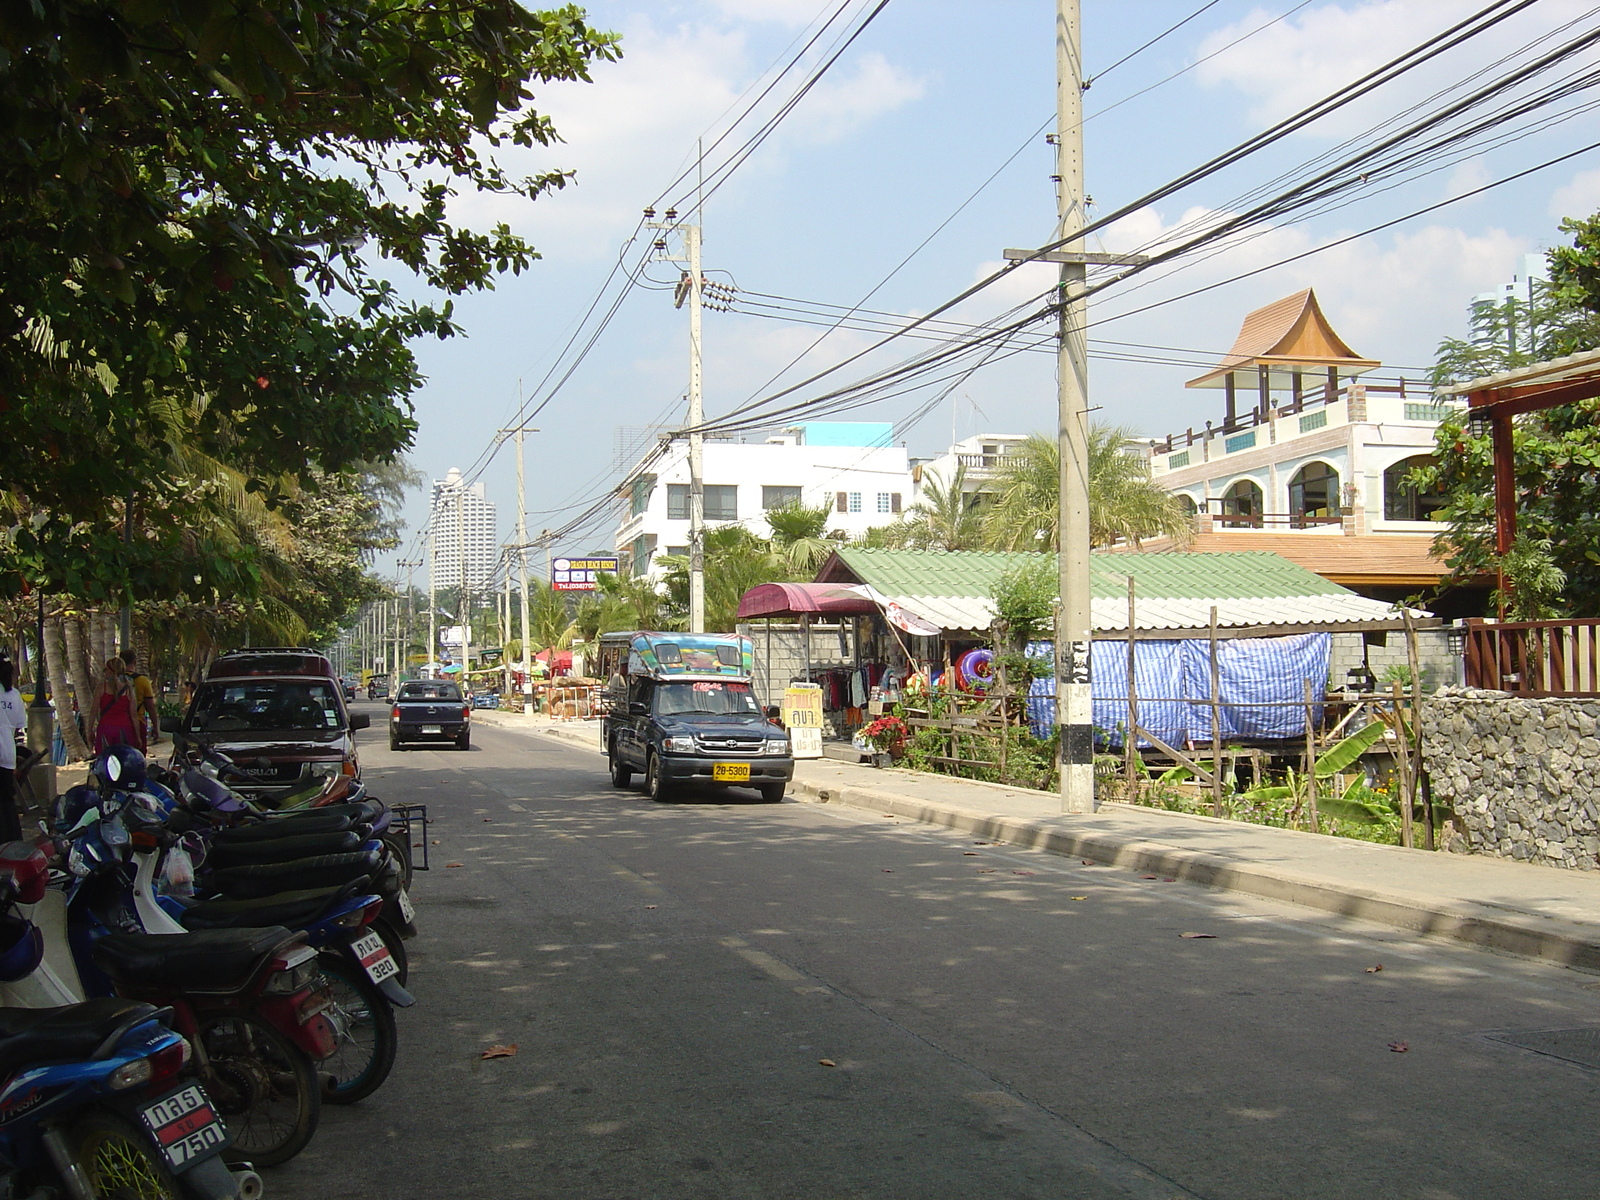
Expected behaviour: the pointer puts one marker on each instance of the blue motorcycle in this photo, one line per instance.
(96, 1099)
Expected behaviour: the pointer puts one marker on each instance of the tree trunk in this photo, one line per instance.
(102, 640)
(60, 676)
(85, 680)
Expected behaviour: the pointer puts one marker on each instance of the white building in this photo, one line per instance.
(848, 465)
(461, 521)
(981, 455)
(1498, 316)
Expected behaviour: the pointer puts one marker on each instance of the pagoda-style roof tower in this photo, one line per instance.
(1279, 346)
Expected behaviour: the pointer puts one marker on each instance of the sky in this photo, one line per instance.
(896, 141)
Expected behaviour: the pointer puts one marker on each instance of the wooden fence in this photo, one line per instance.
(1534, 658)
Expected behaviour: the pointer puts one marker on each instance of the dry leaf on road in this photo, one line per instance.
(500, 1051)
(1197, 935)
(1399, 1047)
(1147, 877)
(1374, 970)
(971, 854)
(452, 864)
(827, 1062)
(1077, 897)
(1023, 872)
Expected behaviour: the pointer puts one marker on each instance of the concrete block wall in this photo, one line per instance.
(1519, 775)
(1440, 667)
(788, 661)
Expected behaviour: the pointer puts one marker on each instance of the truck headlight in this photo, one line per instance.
(679, 745)
(777, 748)
(321, 770)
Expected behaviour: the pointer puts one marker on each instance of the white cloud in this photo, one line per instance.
(1467, 177)
(1579, 198)
(632, 131)
(1297, 61)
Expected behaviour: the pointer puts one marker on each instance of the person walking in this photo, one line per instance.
(144, 695)
(13, 717)
(119, 723)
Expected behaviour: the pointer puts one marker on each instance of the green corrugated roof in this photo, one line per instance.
(1159, 575)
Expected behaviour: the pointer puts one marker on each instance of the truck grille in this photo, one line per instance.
(731, 745)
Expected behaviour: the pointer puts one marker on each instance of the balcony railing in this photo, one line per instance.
(1236, 520)
(1534, 658)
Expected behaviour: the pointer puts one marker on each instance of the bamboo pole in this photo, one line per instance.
(1130, 740)
(1311, 760)
(1216, 720)
(1403, 762)
(1418, 788)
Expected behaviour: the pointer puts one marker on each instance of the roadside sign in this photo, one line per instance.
(802, 714)
(580, 574)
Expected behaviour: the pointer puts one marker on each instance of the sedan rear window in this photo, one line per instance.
(266, 704)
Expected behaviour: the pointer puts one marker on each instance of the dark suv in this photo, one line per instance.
(281, 718)
(709, 731)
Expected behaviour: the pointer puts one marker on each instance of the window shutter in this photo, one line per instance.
(841, 501)
(894, 502)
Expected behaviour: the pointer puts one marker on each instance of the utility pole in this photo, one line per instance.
(433, 597)
(462, 606)
(691, 288)
(522, 567)
(411, 610)
(1074, 697)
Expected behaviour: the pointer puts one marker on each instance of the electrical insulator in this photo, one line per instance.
(661, 243)
(672, 214)
(650, 214)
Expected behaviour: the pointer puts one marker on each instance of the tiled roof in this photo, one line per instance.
(1397, 559)
(1292, 329)
(1173, 590)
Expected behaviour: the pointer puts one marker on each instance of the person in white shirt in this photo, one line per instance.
(13, 717)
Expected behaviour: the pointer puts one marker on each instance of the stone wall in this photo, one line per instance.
(1520, 775)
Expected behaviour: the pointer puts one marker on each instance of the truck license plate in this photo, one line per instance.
(432, 729)
(185, 1126)
(730, 772)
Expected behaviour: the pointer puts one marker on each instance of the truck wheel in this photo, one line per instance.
(621, 777)
(655, 781)
(772, 793)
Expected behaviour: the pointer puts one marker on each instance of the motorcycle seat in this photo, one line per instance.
(218, 961)
(295, 910)
(321, 871)
(240, 854)
(30, 1037)
(282, 827)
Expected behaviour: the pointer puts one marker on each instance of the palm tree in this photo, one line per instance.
(798, 539)
(946, 517)
(1124, 504)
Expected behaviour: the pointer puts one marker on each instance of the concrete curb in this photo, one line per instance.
(1547, 939)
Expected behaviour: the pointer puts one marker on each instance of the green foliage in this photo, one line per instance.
(945, 518)
(1124, 503)
(1025, 601)
(192, 217)
(1343, 755)
(798, 537)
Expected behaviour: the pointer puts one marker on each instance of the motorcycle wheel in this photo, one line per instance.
(263, 1085)
(397, 947)
(117, 1160)
(399, 845)
(363, 1020)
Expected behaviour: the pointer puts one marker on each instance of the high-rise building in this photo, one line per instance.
(465, 534)
(1501, 315)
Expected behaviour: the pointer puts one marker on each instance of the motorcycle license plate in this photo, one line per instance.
(730, 772)
(406, 911)
(432, 729)
(185, 1126)
(375, 958)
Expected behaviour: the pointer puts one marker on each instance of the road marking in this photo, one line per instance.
(760, 959)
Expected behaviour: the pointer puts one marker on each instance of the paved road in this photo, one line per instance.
(999, 1023)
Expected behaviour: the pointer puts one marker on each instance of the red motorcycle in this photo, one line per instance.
(252, 1003)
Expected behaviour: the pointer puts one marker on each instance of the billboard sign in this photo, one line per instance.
(580, 574)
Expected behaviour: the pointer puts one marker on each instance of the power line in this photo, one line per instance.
(1134, 53)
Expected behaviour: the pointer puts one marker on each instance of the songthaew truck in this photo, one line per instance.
(683, 711)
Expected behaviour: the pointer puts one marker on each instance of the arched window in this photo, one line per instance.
(1241, 505)
(1401, 502)
(1187, 504)
(1314, 496)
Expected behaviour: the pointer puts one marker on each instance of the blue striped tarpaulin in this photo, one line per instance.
(1260, 682)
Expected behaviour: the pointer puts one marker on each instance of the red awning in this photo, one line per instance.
(559, 660)
(803, 599)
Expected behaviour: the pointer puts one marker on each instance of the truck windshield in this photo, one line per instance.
(707, 696)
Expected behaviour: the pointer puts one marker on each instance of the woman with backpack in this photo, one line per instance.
(119, 723)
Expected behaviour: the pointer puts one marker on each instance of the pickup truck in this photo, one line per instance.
(430, 710)
(683, 710)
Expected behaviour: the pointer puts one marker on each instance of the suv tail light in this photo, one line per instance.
(466, 712)
(394, 713)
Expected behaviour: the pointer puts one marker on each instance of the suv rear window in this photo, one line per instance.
(241, 705)
(429, 691)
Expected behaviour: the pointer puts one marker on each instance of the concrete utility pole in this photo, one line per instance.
(433, 599)
(462, 606)
(1074, 699)
(411, 612)
(691, 288)
(522, 569)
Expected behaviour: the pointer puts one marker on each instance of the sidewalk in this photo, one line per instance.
(1515, 908)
